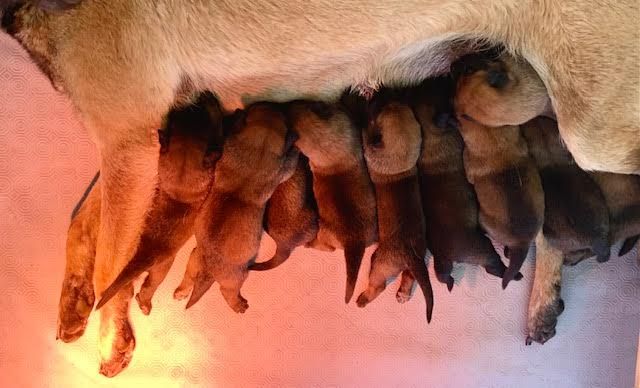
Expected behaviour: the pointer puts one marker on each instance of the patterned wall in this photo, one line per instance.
(297, 332)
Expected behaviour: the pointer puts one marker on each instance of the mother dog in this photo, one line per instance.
(124, 63)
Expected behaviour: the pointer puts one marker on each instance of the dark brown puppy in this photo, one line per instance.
(576, 218)
(191, 144)
(622, 194)
(258, 156)
(448, 199)
(341, 183)
(508, 188)
(391, 147)
(291, 216)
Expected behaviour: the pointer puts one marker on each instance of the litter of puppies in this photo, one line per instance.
(436, 169)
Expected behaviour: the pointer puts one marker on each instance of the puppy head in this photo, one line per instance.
(259, 153)
(190, 145)
(544, 143)
(392, 139)
(503, 91)
(327, 135)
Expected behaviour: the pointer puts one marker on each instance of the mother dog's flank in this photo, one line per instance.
(391, 148)
(341, 183)
(125, 63)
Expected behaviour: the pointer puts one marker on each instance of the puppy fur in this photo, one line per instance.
(341, 182)
(205, 46)
(291, 216)
(499, 89)
(508, 188)
(622, 195)
(391, 148)
(448, 199)
(191, 144)
(258, 156)
(576, 218)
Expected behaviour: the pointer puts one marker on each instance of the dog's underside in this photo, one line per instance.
(121, 81)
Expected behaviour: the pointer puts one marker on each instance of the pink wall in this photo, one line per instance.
(297, 332)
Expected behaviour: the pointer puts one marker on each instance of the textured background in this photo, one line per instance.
(297, 332)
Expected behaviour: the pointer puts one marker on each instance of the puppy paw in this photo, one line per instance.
(401, 296)
(117, 343)
(363, 300)
(144, 304)
(542, 322)
(240, 306)
(76, 303)
(181, 293)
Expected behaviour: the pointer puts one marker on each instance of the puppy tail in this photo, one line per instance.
(418, 269)
(353, 253)
(201, 284)
(281, 255)
(628, 245)
(132, 270)
(516, 256)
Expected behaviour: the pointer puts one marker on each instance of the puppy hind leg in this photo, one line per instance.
(545, 304)
(230, 287)
(128, 172)
(353, 253)
(443, 267)
(186, 285)
(381, 270)
(156, 276)
(77, 296)
(405, 289)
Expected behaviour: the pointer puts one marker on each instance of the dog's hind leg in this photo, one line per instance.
(156, 276)
(545, 304)
(77, 297)
(128, 175)
(407, 281)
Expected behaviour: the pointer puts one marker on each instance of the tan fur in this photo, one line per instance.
(508, 188)
(122, 82)
(545, 304)
(256, 159)
(392, 147)
(341, 183)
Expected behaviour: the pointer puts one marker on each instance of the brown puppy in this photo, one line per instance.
(576, 218)
(448, 200)
(508, 188)
(622, 194)
(391, 148)
(291, 216)
(258, 156)
(497, 89)
(191, 144)
(341, 183)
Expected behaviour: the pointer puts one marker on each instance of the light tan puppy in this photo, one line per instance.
(341, 183)
(258, 156)
(291, 216)
(205, 46)
(392, 143)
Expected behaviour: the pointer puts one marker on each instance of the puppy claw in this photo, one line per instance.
(362, 300)
(528, 341)
(241, 306)
(181, 293)
(401, 297)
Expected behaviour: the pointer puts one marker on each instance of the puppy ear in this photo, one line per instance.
(322, 109)
(497, 78)
(234, 122)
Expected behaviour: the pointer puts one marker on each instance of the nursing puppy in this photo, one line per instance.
(576, 218)
(391, 147)
(622, 195)
(258, 156)
(508, 188)
(122, 98)
(341, 183)
(497, 89)
(448, 200)
(191, 144)
(291, 216)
